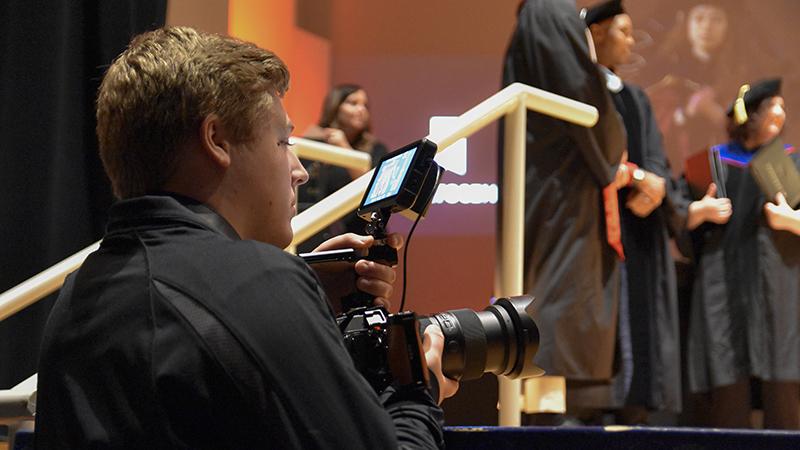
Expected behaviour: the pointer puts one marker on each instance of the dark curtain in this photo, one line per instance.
(53, 191)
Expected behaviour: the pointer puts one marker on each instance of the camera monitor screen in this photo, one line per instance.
(389, 177)
(398, 179)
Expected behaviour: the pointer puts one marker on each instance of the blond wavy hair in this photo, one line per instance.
(156, 94)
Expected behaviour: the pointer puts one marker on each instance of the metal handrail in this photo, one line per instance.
(513, 102)
(346, 199)
(50, 280)
(42, 284)
(331, 154)
(19, 402)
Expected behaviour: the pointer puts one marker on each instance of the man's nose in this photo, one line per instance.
(299, 173)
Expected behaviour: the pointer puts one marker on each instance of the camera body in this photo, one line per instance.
(384, 347)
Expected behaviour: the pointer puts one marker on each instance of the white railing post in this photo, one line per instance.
(510, 268)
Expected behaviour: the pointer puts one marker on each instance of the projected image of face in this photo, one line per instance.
(707, 27)
(391, 174)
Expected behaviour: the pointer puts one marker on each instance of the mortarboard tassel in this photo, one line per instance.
(739, 110)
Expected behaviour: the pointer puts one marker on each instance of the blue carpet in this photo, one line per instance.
(645, 438)
(567, 438)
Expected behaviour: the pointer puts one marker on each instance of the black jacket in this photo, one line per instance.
(177, 334)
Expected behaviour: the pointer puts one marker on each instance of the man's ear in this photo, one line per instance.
(215, 140)
(598, 32)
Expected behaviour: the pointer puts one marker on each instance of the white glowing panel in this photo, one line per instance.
(466, 194)
(454, 157)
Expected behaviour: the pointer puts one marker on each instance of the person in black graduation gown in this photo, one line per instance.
(569, 266)
(745, 318)
(650, 378)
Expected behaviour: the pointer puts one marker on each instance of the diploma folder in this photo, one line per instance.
(703, 168)
(775, 171)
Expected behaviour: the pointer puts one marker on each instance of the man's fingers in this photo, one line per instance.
(641, 204)
(372, 269)
(433, 339)
(395, 240)
(376, 288)
(347, 240)
(712, 190)
(352, 240)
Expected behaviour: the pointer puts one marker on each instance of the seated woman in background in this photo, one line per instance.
(345, 122)
(745, 318)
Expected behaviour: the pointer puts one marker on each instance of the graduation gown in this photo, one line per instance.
(745, 317)
(651, 283)
(569, 267)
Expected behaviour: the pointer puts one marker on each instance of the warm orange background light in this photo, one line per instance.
(413, 65)
(271, 24)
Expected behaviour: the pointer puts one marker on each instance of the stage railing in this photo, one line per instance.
(42, 284)
(50, 280)
(511, 102)
(331, 154)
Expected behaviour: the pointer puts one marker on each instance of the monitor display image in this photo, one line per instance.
(390, 176)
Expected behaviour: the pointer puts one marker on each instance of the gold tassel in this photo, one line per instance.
(739, 110)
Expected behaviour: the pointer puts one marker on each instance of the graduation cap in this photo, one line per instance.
(751, 96)
(602, 11)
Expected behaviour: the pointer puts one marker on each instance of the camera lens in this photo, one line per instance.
(502, 339)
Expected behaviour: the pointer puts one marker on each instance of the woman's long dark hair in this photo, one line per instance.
(330, 110)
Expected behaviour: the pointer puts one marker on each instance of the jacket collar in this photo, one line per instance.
(165, 207)
(613, 81)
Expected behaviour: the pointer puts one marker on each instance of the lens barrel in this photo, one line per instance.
(502, 339)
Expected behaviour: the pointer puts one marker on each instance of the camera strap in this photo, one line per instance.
(219, 340)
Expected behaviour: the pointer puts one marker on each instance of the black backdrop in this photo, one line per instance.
(53, 192)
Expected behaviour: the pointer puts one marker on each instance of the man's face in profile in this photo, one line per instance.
(266, 172)
(614, 40)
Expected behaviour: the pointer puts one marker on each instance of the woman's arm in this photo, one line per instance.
(709, 209)
(781, 216)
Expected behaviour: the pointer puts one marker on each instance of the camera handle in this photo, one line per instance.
(380, 253)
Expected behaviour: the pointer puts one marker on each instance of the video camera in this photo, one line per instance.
(386, 348)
